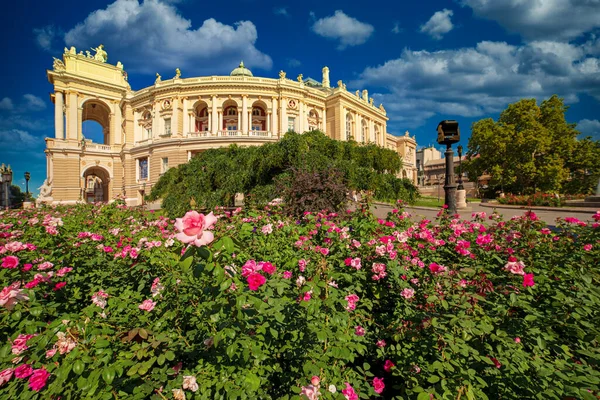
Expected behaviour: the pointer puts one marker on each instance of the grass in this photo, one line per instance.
(430, 201)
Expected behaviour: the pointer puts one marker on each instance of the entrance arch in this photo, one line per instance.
(96, 185)
(95, 110)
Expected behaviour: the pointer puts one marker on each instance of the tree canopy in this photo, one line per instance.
(213, 177)
(533, 148)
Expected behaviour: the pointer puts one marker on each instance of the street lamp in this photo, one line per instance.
(27, 177)
(449, 133)
(460, 175)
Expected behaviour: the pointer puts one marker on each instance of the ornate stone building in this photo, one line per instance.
(158, 127)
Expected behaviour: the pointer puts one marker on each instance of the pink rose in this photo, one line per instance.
(302, 265)
(147, 305)
(19, 345)
(10, 262)
(380, 343)
(349, 392)
(256, 280)
(11, 295)
(587, 247)
(38, 379)
(63, 271)
(5, 376)
(268, 267)
(315, 380)
(193, 228)
(388, 365)
(59, 286)
(307, 295)
(23, 371)
(287, 274)
(311, 392)
(359, 331)
(528, 280)
(50, 353)
(27, 267)
(515, 267)
(378, 385)
(517, 340)
(407, 293)
(436, 268)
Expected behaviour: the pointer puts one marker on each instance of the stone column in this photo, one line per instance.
(240, 122)
(220, 121)
(216, 125)
(80, 123)
(210, 121)
(269, 122)
(175, 118)
(324, 121)
(372, 131)
(186, 118)
(302, 117)
(72, 127)
(155, 127)
(59, 122)
(244, 122)
(274, 124)
(117, 135)
(283, 116)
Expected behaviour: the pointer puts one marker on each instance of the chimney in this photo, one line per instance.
(325, 81)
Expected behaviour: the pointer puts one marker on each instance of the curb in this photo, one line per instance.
(542, 208)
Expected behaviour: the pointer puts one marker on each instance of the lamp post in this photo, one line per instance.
(449, 133)
(460, 180)
(27, 177)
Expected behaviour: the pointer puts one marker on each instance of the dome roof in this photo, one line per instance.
(241, 71)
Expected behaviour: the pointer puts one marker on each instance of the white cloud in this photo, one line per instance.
(46, 37)
(34, 103)
(293, 63)
(396, 29)
(349, 31)
(439, 24)
(281, 11)
(152, 35)
(478, 81)
(6, 104)
(541, 19)
(589, 127)
(16, 139)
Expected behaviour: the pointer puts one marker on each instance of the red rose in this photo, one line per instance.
(255, 280)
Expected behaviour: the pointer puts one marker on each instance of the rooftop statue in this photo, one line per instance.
(281, 75)
(58, 65)
(101, 55)
(177, 73)
(158, 78)
(300, 78)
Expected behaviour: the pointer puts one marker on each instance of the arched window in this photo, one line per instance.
(349, 127)
(364, 131)
(313, 120)
(232, 111)
(256, 112)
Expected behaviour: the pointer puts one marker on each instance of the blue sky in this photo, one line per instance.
(425, 61)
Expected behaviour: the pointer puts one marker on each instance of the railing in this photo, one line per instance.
(259, 133)
(96, 146)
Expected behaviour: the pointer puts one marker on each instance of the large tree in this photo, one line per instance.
(213, 177)
(532, 147)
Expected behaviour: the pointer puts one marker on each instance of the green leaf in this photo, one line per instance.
(78, 367)
(433, 379)
(423, 396)
(170, 355)
(108, 374)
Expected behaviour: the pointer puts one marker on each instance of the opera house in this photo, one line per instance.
(149, 130)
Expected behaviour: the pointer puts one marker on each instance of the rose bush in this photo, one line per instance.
(106, 302)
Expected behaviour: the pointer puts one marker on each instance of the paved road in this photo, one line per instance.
(430, 213)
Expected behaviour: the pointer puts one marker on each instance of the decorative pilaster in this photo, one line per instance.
(59, 122)
(117, 134)
(269, 122)
(244, 122)
(186, 118)
(72, 119)
(216, 122)
(220, 121)
(175, 118)
(324, 122)
(283, 116)
(302, 121)
(274, 124)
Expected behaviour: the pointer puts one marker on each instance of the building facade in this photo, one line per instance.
(161, 126)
